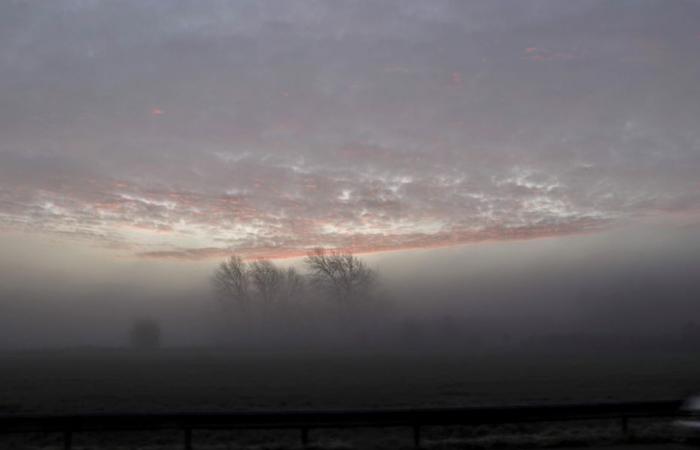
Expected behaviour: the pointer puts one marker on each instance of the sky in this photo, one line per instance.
(190, 130)
(515, 158)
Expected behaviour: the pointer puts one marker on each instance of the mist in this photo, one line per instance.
(510, 171)
(278, 207)
(626, 286)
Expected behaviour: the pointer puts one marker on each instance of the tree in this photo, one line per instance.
(341, 274)
(268, 281)
(145, 334)
(294, 285)
(231, 281)
(260, 282)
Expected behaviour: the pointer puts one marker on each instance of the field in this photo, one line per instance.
(84, 381)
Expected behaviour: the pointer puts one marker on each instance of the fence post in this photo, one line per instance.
(416, 435)
(188, 439)
(67, 439)
(625, 427)
(305, 437)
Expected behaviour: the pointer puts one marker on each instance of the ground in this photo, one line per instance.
(85, 381)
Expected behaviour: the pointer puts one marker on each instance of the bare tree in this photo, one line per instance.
(268, 281)
(342, 274)
(294, 285)
(260, 282)
(231, 281)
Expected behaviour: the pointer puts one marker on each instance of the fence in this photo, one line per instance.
(304, 421)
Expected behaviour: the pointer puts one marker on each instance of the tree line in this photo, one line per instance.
(334, 275)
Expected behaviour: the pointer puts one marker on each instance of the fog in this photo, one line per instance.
(632, 286)
(516, 173)
(271, 205)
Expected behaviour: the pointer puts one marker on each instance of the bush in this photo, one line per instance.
(145, 334)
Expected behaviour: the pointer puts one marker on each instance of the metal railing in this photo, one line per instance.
(304, 421)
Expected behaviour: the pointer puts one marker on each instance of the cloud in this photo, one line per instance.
(535, 54)
(267, 128)
(364, 244)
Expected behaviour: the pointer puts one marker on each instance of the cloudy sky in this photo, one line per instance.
(186, 130)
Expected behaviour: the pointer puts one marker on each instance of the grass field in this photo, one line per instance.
(84, 381)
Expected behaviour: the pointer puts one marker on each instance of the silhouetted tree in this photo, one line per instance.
(294, 285)
(145, 334)
(231, 281)
(268, 281)
(260, 282)
(341, 274)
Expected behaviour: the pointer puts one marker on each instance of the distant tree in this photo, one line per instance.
(145, 334)
(231, 281)
(294, 285)
(258, 283)
(268, 281)
(341, 274)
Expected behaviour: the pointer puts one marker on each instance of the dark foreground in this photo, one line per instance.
(656, 436)
(83, 382)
